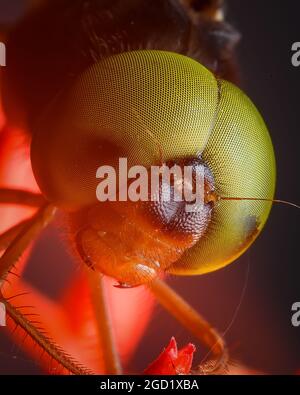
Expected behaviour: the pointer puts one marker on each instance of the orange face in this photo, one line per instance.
(135, 241)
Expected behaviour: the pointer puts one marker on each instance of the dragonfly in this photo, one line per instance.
(152, 82)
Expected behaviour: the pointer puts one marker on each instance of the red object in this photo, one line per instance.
(173, 361)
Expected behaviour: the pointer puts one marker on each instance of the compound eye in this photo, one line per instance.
(240, 155)
(125, 105)
(131, 103)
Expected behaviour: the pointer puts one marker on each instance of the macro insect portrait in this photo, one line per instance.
(140, 147)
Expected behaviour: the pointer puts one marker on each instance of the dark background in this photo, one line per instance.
(261, 335)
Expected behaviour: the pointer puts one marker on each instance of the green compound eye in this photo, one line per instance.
(240, 154)
(108, 113)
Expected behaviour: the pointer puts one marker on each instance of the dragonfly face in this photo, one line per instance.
(139, 79)
(136, 102)
(134, 242)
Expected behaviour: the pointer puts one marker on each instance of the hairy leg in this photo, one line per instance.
(29, 231)
(16, 240)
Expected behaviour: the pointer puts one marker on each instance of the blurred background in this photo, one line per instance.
(259, 334)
